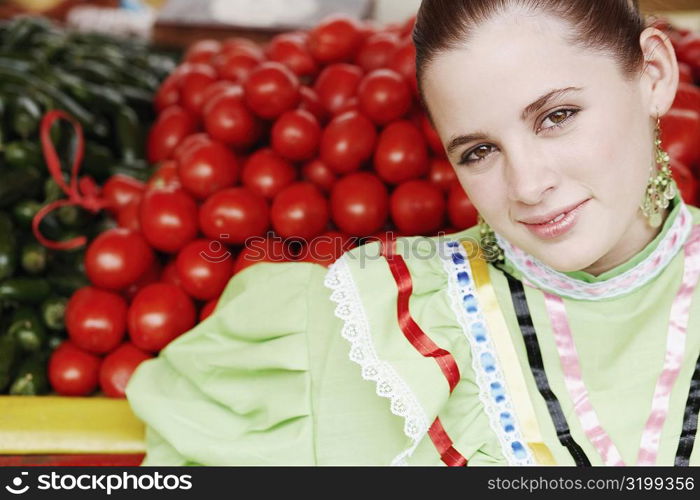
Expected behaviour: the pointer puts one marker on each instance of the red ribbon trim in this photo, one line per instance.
(81, 192)
(424, 345)
(444, 446)
(409, 327)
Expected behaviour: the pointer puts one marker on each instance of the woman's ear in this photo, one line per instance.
(660, 74)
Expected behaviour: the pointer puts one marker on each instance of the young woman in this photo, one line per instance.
(563, 330)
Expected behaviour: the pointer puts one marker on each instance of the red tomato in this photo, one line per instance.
(165, 177)
(680, 129)
(190, 144)
(204, 268)
(168, 93)
(117, 258)
(159, 313)
(384, 96)
(237, 44)
(295, 135)
(128, 216)
(266, 173)
(169, 219)
(326, 248)
(311, 103)
(442, 174)
(234, 215)
(336, 38)
(687, 184)
(151, 276)
(299, 211)
(73, 371)
(431, 136)
(262, 250)
(236, 63)
(271, 89)
(216, 89)
(376, 51)
(418, 207)
(319, 173)
(208, 168)
(359, 204)
(460, 210)
(687, 97)
(120, 190)
(208, 309)
(401, 153)
(685, 72)
(404, 63)
(290, 49)
(347, 142)
(194, 81)
(169, 274)
(337, 84)
(202, 51)
(96, 319)
(171, 127)
(688, 49)
(118, 366)
(228, 119)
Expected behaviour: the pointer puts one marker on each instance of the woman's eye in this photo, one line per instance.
(559, 117)
(475, 155)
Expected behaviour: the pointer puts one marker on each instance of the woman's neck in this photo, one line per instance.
(633, 241)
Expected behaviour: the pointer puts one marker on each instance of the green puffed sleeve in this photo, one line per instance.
(236, 389)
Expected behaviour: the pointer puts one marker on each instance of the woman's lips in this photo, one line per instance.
(552, 230)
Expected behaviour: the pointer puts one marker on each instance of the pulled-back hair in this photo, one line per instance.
(611, 27)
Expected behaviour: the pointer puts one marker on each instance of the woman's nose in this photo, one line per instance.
(529, 176)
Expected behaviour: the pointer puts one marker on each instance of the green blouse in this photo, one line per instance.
(302, 365)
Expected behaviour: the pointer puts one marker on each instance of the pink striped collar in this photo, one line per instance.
(546, 278)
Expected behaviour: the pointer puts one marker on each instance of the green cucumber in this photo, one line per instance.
(25, 290)
(8, 247)
(66, 282)
(53, 311)
(22, 154)
(18, 183)
(25, 117)
(31, 378)
(27, 328)
(24, 211)
(8, 357)
(34, 257)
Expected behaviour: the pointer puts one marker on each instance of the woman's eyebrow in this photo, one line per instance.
(457, 141)
(542, 101)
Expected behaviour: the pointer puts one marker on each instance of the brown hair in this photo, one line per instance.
(610, 26)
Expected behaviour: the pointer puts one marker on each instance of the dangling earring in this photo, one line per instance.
(660, 188)
(493, 253)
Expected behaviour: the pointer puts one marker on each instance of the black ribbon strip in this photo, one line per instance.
(690, 421)
(534, 356)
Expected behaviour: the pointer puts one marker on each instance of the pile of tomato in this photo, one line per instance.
(294, 151)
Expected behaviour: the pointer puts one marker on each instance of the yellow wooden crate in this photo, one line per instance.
(63, 425)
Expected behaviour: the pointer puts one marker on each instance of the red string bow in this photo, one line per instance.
(81, 192)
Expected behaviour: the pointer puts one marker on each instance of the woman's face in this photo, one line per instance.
(590, 143)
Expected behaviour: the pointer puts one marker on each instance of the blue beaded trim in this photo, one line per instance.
(492, 388)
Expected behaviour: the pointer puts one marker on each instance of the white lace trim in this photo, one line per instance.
(356, 330)
(483, 355)
(547, 278)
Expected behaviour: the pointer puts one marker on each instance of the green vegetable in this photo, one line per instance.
(25, 290)
(25, 115)
(8, 247)
(8, 356)
(34, 257)
(18, 183)
(26, 327)
(53, 311)
(24, 211)
(31, 379)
